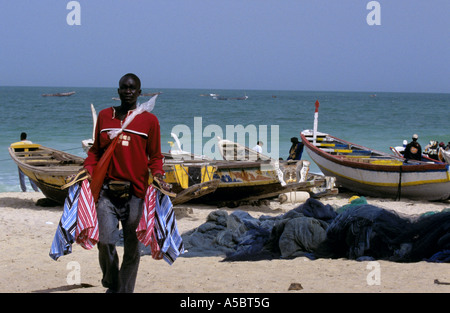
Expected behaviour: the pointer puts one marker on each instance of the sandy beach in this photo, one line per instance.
(27, 231)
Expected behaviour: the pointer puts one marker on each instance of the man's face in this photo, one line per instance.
(129, 91)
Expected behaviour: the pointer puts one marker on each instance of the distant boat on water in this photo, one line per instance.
(233, 98)
(60, 94)
(209, 95)
(216, 96)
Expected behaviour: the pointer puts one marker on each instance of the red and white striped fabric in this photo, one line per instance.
(145, 231)
(87, 224)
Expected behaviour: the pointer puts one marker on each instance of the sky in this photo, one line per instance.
(320, 45)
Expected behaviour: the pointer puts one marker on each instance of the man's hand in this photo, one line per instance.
(72, 179)
(160, 180)
(82, 173)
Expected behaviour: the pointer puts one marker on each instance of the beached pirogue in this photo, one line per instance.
(212, 180)
(374, 173)
(47, 167)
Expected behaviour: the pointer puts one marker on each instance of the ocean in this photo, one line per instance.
(377, 121)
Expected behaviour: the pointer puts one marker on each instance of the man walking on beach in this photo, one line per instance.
(122, 196)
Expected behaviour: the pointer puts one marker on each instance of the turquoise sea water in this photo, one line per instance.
(374, 121)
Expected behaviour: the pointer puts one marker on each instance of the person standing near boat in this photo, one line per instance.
(413, 150)
(296, 150)
(258, 148)
(138, 150)
(23, 186)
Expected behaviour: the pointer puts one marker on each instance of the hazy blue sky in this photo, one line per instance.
(228, 44)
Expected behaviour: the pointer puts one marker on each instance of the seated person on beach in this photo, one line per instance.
(413, 150)
(296, 150)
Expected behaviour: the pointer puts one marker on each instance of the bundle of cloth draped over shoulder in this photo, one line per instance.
(157, 228)
(357, 231)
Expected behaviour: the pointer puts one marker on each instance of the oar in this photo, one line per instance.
(102, 166)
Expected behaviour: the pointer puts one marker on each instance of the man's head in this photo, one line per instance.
(23, 136)
(129, 90)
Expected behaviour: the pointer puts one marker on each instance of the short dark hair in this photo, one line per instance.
(23, 136)
(134, 76)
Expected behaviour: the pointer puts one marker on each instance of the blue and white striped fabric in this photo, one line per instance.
(65, 233)
(169, 239)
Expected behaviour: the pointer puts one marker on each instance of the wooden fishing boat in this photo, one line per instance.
(251, 177)
(247, 175)
(60, 94)
(47, 167)
(236, 180)
(242, 181)
(374, 173)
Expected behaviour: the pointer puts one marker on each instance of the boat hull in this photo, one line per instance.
(390, 178)
(238, 181)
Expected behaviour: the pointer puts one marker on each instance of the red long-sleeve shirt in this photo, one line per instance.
(137, 151)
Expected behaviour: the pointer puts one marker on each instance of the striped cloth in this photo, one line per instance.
(167, 234)
(145, 231)
(87, 224)
(78, 222)
(65, 233)
(158, 222)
